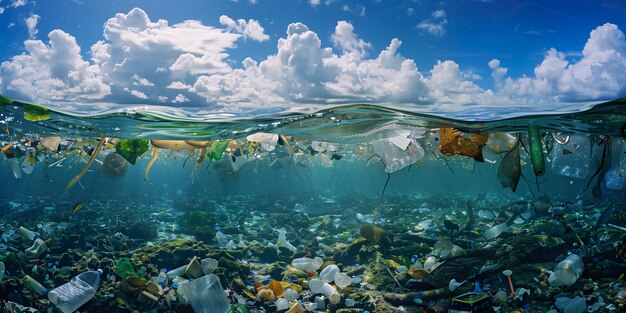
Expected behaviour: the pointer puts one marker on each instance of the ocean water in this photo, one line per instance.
(361, 186)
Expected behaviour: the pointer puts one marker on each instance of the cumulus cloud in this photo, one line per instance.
(31, 24)
(249, 29)
(141, 61)
(435, 25)
(345, 38)
(314, 3)
(180, 98)
(599, 75)
(52, 72)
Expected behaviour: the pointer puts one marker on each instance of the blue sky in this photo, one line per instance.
(242, 55)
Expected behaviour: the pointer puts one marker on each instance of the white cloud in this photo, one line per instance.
(314, 3)
(180, 98)
(599, 75)
(178, 85)
(253, 2)
(361, 9)
(11, 25)
(345, 38)
(18, 3)
(250, 29)
(140, 81)
(31, 23)
(189, 60)
(1, 10)
(435, 25)
(136, 93)
(345, 8)
(53, 72)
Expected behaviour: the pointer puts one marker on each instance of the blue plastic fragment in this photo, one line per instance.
(477, 287)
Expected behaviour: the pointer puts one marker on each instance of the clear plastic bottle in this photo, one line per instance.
(307, 264)
(567, 271)
(73, 294)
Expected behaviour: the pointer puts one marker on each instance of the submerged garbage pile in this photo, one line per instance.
(209, 256)
(389, 253)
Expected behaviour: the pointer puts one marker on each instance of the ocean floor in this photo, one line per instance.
(419, 253)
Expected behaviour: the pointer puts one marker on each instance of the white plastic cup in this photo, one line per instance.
(331, 293)
(73, 294)
(206, 295)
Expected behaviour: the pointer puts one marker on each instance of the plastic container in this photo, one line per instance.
(329, 272)
(37, 249)
(73, 294)
(208, 265)
(206, 295)
(567, 271)
(307, 264)
(572, 159)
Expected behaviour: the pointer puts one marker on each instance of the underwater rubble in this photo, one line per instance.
(387, 252)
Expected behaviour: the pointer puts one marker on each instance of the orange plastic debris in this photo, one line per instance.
(453, 142)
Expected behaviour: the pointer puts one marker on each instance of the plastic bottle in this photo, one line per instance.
(567, 271)
(318, 286)
(179, 271)
(27, 234)
(34, 285)
(73, 294)
(307, 264)
(206, 295)
(328, 273)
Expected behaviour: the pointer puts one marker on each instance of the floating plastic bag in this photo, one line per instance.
(396, 158)
(572, 159)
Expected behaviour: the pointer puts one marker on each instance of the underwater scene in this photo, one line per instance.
(254, 156)
(352, 209)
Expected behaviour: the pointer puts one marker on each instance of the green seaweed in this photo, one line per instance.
(196, 218)
(35, 113)
(217, 150)
(124, 268)
(131, 149)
